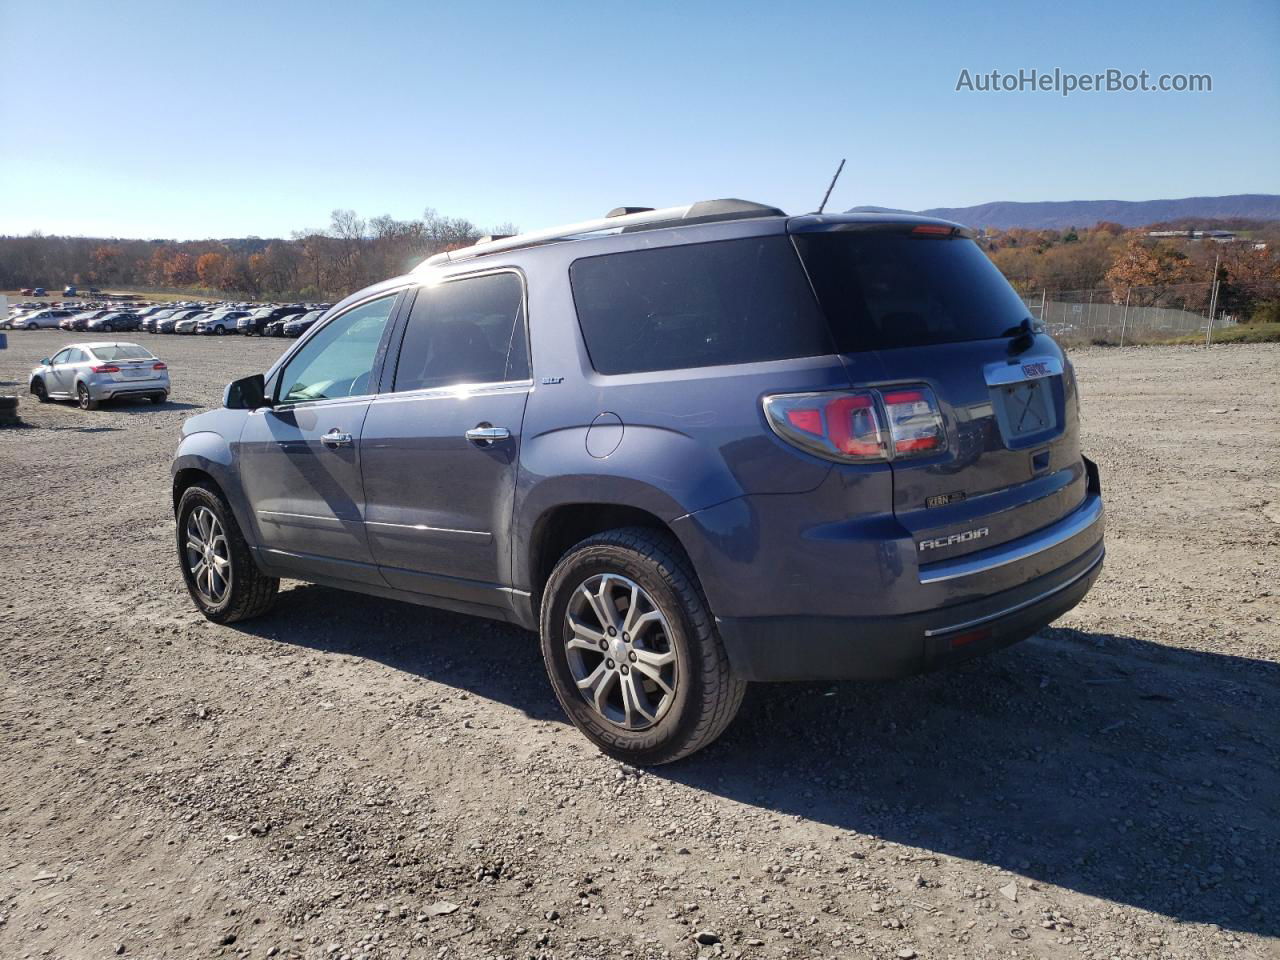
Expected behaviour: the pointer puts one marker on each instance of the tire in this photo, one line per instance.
(704, 695)
(32, 326)
(220, 330)
(85, 398)
(158, 398)
(40, 390)
(247, 592)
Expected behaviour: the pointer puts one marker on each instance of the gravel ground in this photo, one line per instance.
(358, 778)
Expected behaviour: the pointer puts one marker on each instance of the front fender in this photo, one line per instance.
(209, 453)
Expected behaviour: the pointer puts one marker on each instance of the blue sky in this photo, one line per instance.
(193, 119)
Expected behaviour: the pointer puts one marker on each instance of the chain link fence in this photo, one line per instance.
(1129, 315)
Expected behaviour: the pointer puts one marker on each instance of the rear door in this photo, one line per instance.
(937, 312)
(441, 446)
(300, 459)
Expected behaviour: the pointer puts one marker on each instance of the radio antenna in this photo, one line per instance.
(822, 206)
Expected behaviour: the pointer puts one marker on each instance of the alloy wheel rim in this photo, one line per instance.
(620, 651)
(83, 394)
(208, 555)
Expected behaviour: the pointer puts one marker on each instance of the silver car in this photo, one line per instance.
(190, 323)
(92, 372)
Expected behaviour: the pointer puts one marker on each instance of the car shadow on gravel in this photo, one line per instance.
(1122, 769)
(1138, 773)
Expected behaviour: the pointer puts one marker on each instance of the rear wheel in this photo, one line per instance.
(218, 568)
(219, 330)
(632, 650)
(84, 398)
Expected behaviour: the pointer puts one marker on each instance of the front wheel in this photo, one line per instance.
(219, 570)
(219, 330)
(632, 650)
(40, 390)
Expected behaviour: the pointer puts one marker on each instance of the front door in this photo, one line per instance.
(65, 365)
(440, 449)
(300, 459)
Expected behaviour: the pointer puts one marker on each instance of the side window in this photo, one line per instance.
(75, 356)
(60, 357)
(338, 361)
(465, 331)
(697, 305)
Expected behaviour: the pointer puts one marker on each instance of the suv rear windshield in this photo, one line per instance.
(697, 305)
(881, 290)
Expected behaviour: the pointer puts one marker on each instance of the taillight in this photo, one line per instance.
(106, 368)
(933, 229)
(857, 426)
(915, 424)
(159, 365)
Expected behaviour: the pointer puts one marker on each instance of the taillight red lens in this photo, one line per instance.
(933, 229)
(106, 368)
(854, 427)
(841, 425)
(159, 365)
(857, 426)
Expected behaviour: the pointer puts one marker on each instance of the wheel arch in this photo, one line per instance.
(558, 527)
(206, 457)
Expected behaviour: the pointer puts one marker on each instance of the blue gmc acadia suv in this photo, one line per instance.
(690, 447)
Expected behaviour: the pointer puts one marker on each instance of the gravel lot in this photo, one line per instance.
(357, 778)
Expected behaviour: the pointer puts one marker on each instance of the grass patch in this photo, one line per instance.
(1240, 333)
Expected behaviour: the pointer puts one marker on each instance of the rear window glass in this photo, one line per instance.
(883, 290)
(121, 351)
(700, 305)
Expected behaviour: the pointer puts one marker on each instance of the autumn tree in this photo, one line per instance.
(210, 268)
(1144, 272)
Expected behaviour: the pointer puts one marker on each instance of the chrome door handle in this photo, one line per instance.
(335, 438)
(486, 433)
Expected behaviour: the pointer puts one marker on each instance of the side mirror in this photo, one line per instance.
(247, 393)
(44, 362)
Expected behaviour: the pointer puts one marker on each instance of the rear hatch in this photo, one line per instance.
(930, 305)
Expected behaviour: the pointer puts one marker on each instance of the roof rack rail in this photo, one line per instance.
(639, 218)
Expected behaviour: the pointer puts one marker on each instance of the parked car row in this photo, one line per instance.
(213, 319)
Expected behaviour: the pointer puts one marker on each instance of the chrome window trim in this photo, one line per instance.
(979, 621)
(457, 391)
(1074, 524)
(286, 406)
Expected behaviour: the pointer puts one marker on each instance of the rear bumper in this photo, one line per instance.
(1062, 560)
(883, 647)
(128, 388)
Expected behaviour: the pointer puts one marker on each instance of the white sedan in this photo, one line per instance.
(92, 372)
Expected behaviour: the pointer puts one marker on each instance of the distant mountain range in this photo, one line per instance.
(1059, 214)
